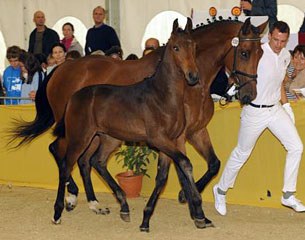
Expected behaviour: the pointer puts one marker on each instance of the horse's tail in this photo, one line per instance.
(27, 131)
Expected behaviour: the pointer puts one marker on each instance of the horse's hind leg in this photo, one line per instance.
(99, 162)
(161, 179)
(75, 148)
(200, 140)
(58, 150)
(85, 171)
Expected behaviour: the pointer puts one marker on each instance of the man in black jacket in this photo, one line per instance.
(42, 38)
(260, 8)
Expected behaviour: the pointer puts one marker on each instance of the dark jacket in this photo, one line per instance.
(101, 38)
(264, 8)
(50, 37)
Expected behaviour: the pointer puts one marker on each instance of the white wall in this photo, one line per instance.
(16, 16)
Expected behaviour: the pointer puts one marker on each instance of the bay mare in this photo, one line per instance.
(214, 50)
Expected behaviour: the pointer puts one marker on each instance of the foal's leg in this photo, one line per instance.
(85, 171)
(58, 150)
(75, 148)
(161, 179)
(99, 161)
(200, 140)
(183, 163)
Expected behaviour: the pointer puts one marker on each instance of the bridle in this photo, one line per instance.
(235, 73)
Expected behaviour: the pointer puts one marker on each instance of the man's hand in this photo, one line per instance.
(289, 111)
(245, 5)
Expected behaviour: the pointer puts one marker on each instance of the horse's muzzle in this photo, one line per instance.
(192, 78)
(245, 100)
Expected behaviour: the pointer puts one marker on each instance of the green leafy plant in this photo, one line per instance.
(135, 157)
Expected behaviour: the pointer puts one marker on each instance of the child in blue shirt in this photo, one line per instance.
(11, 76)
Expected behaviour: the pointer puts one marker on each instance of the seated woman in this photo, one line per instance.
(295, 77)
(32, 76)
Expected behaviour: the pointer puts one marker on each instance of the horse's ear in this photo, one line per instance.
(175, 25)
(189, 25)
(246, 27)
(262, 27)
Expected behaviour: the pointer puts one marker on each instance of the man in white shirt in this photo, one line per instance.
(266, 111)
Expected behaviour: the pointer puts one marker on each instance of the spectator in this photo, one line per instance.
(296, 71)
(32, 76)
(69, 39)
(42, 59)
(1, 91)
(271, 110)
(100, 36)
(132, 56)
(42, 38)
(115, 52)
(73, 55)
(11, 76)
(58, 54)
(260, 8)
(151, 44)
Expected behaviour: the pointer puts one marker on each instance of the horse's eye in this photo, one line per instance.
(176, 48)
(244, 54)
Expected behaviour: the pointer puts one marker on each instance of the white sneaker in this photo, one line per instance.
(293, 203)
(220, 201)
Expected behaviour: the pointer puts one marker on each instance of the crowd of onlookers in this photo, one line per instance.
(27, 69)
(20, 80)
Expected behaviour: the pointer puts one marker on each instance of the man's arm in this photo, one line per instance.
(269, 8)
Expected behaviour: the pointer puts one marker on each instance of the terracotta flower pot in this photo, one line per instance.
(130, 183)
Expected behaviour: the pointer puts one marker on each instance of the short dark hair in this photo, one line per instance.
(299, 48)
(68, 24)
(281, 26)
(73, 55)
(58, 45)
(13, 52)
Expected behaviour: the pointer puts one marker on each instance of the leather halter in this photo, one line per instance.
(235, 72)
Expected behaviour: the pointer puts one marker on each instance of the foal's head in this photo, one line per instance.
(183, 49)
(245, 57)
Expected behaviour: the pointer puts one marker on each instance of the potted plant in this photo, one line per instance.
(134, 158)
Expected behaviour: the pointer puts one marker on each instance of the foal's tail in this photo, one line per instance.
(25, 132)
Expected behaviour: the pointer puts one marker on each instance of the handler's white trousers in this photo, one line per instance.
(253, 122)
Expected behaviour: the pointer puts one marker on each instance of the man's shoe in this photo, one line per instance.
(293, 203)
(220, 201)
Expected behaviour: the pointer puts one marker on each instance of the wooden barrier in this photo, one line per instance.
(34, 166)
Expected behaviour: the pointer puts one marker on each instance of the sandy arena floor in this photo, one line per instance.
(25, 213)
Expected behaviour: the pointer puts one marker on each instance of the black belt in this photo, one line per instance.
(260, 106)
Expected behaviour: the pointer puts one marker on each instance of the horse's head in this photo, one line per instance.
(183, 50)
(244, 60)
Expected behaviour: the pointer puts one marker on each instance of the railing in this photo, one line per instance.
(11, 99)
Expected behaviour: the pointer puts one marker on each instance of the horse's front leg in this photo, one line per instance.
(200, 140)
(58, 148)
(99, 162)
(166, 146)
(161, 179)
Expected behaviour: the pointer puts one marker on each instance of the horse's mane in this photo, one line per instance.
(160, 60)
(221, 21)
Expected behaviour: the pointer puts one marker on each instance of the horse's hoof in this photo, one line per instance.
(125, 216)
(56, 222)
(181, 197)
(208, 223)
(69, 207)
(144, 229)
(71, 202)
(200, 223)
(103, 211)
